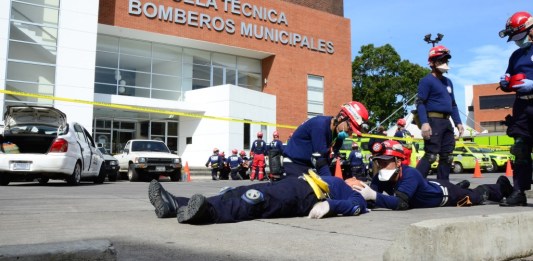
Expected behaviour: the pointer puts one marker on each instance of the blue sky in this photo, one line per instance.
(470, 29)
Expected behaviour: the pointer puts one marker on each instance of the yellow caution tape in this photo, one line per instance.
(143, 109)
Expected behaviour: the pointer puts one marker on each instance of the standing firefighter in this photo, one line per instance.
(234, 163)
(275, 151)
(215, 161)
(257, 152)
(435, 105)
(357, 166)
(403, 133)
(519, 78)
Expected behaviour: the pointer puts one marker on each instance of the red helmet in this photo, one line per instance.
(222, 154)
(242, 153)
(401, 122)
(234, 151)
(260, 134)
(215, 150)
(357, 114)
(439, 52)
(517, 26)
(275, 134)
(387, 150)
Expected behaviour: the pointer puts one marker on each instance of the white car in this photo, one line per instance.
(37, 142)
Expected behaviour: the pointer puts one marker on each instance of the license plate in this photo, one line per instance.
(21, 166)
(160, 168)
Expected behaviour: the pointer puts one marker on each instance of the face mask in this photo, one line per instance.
(386, 174)
(342, 135)
(443, 68)
(523, 43)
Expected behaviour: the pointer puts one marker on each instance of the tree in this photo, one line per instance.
(384, 83)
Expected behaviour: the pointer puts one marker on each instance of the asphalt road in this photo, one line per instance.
(121, 213)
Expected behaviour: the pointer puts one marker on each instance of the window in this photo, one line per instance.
(154, 70)
(493, 126)
(32, 50)
(246, 136)
(496, 101)
(315, 96)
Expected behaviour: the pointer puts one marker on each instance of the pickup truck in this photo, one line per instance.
(148, 159)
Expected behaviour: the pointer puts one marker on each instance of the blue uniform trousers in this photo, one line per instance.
(521, 129)
(441, 142)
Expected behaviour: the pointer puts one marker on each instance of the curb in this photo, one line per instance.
(486, 237)
(73, 250)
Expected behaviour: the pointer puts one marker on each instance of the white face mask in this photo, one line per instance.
(386, 174)
(523, 43)
(443, 68)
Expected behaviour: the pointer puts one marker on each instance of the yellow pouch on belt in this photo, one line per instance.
(318, 180)
(320, 187)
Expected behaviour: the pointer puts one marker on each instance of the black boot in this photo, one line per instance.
(505, 186)
(465, 184)
(517, 198)
(164, 202)
(198, 211)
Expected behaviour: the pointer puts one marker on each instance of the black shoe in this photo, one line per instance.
(196, 212)
(465, 184)
(505, 186)
(517, 198)
(164, 202)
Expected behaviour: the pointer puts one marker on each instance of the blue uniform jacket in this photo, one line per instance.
(436, 95)
(215, 160)
(259, 147)
(276, 144)
(521, 62)
(421, 192)
(314, 135)
(356, 158)
(234, 161)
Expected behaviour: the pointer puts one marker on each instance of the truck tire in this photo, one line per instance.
(132, 174)
(43, 181)
(175, 175)
(101, 175)
(4, 179)
(75, 178)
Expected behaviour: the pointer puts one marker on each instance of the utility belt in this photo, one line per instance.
(433, 114)
(444, 194)
(319, 186)
(528, 97)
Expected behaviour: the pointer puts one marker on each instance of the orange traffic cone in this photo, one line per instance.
(188, 171)
(338, 169)
(477, 171)
(509, 169)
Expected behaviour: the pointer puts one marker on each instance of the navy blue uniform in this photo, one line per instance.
(520, 127)
(436, 96)
(216, 165)
(258, 151)
(287, 198)
(275, 151)
(419, 192)
(312, 136)
(234, 163)
(357, 165)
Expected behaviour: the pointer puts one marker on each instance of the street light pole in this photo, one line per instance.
(428, 39)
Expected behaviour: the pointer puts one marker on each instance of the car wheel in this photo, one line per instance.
(132, 174)
(4, 179)
(175, 175)
(112, 176)
(493, 166)
(101, 175)
(75, 178)
(457, 168)
(43, 180)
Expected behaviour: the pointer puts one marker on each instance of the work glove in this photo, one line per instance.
(525, 87)
(207, 164)
(319, 210)
(426, 131)
(504, 82)
(366, 191)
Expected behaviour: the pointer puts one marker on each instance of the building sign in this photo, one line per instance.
(232, 7)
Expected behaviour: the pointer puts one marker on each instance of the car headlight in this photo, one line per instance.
(141, 160)
(113, 162)
(177, 161)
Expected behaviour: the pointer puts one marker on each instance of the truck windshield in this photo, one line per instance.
(149, 146)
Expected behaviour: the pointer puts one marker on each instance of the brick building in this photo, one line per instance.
(225, 68)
